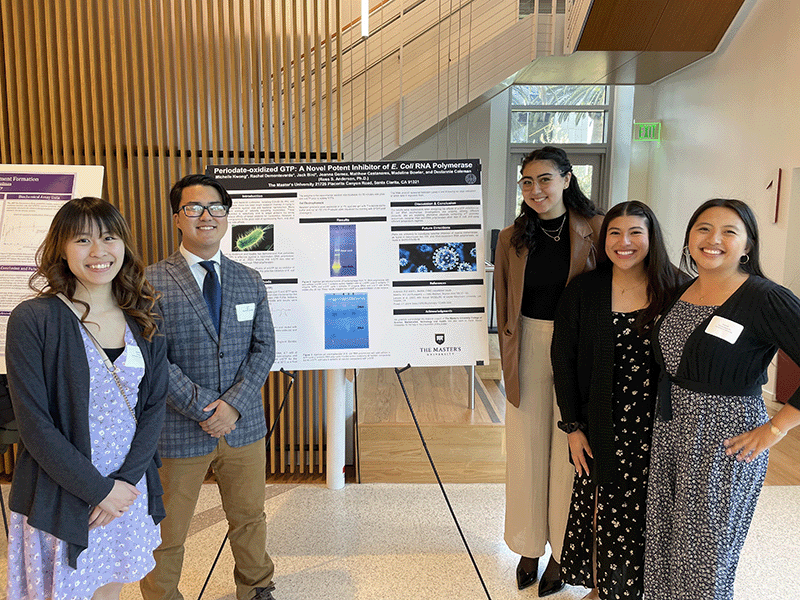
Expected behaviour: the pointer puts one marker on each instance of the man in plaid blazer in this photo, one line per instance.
(220, 353)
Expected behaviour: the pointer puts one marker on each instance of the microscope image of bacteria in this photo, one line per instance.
(255, 237)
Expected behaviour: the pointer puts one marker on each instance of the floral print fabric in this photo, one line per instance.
(122, 550)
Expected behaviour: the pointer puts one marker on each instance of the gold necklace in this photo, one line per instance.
(623, 290)
(717, 291)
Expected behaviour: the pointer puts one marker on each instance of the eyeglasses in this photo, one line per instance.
(195, 211)
(526, 183)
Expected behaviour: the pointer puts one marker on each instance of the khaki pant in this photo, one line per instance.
(240, 474)
(538, 472)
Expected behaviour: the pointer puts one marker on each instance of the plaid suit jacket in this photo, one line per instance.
(204, 366)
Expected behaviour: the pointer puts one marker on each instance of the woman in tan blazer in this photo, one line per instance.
(552, 240)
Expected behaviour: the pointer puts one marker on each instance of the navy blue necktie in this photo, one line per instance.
(212, 292)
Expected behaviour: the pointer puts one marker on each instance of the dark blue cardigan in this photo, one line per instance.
(55, 484)
(770, 315)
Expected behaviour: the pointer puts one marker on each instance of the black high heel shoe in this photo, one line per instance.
(527, 572)
(551, 581)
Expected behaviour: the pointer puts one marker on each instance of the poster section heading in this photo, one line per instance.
(28, 201)
(376, 264)
(367, 174)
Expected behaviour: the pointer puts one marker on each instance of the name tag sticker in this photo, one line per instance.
(134, 358)
(245, 312)
(724, 329)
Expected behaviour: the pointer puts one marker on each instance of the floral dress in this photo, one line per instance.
(619, 536)
(701, 501)
(121, 551)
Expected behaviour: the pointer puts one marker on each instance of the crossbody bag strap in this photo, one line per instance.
(110, 367)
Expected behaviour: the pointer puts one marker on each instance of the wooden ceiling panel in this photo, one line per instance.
(657, 25)
(621, 24)
(692, 25)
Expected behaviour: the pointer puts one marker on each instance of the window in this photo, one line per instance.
(573, 117)
(526, 7)
(558, 114)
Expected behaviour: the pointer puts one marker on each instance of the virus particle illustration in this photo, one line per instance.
(425, 248)
(465, 266)
(403, 261)
(445, 259)
(251, 239)
(473, 253)
(422, 269)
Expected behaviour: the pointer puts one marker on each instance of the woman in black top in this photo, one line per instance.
(552, 240)
(711, 431)
(605, 387)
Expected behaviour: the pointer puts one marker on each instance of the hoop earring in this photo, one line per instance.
(744, 262)
(687, 256)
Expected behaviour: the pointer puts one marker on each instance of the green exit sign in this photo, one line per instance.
(647, 132)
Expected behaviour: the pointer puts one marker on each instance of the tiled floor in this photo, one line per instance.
(398, 541)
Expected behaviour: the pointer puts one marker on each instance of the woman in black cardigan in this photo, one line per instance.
(88, 378)
(708, 462)
(605, 386)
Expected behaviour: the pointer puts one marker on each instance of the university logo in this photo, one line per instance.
(439, 338)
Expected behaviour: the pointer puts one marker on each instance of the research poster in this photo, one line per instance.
(376, 264)
(29, 197)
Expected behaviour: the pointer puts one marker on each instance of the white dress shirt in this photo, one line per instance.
(197, 269)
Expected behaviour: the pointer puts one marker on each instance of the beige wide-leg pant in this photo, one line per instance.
(538, 472)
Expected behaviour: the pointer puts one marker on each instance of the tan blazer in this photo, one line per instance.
(509, 278)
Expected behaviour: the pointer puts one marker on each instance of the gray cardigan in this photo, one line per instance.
(55, 484)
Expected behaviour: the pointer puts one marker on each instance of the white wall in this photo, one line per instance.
(728, 123)
(620, 145)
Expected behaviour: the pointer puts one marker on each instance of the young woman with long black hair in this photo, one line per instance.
(552, 240)
(712, 430)
(605, 386)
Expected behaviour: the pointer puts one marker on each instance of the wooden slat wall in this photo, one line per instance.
(297, 444)
(157, 89)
